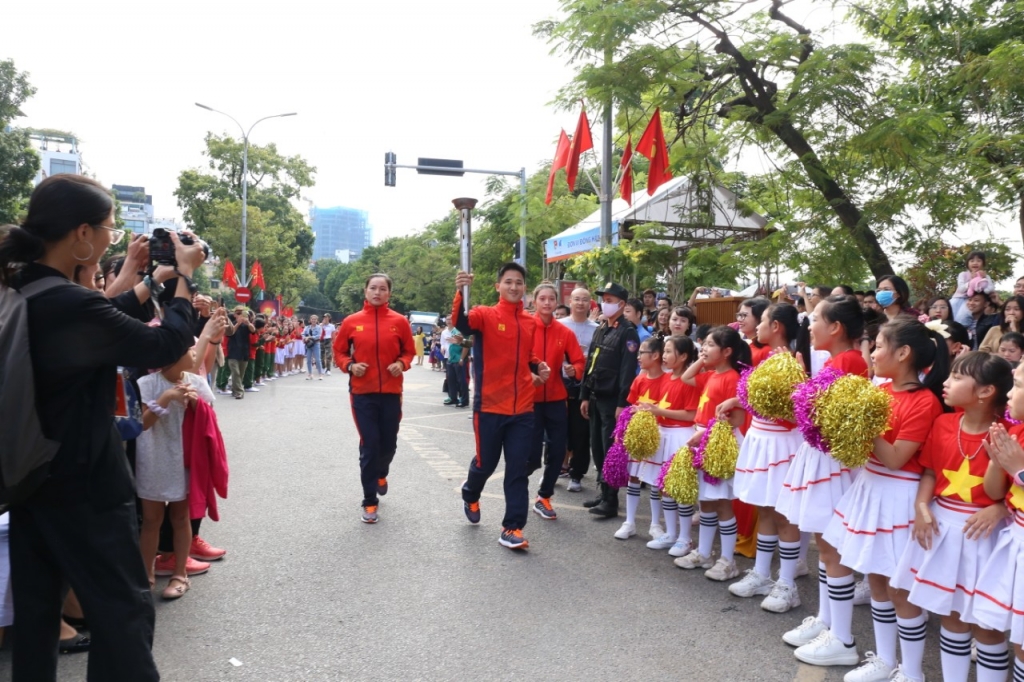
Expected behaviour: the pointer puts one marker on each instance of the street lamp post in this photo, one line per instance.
(245, 176)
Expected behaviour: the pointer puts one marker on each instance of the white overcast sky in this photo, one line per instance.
(462, 79)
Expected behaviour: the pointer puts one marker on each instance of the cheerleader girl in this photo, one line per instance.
(999, 601)
(763, 463)
(723, 354)
(872, 523)
(815, 482)
(646, 389)
(300, 347)
(953, 527)
(675, 413)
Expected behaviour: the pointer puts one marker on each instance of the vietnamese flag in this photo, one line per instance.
(626, 186)
(230, 277)
(581, 142)
(652, 145)
(561, 158)
(257, 276)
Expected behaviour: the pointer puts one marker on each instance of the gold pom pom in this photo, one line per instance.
(642, 437)
(721, 451)
(771, 384)
(681, 480)
(851, 413)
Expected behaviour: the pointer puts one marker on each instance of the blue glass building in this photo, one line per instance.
(341, 233)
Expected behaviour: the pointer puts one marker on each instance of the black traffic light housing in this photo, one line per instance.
(389, 169)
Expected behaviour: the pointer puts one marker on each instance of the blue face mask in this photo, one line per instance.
(885, 298)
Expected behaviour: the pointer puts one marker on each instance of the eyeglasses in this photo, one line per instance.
(645, 352)
(742, 316)
(118, 233)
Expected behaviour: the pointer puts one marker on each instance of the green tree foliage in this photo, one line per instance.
(937, 264)
(18, 161)
(210, 200)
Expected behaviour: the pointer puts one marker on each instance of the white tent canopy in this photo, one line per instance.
(675, 205)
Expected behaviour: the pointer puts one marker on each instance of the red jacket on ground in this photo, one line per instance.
(555, 344)
(377, 336)
(502, 355)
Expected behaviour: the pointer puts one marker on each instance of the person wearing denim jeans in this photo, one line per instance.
(311, 338)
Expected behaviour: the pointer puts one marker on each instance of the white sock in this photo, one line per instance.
(824, 608)
(686, 512)
(632, 501)
(766, 545)
(955, 654)
(883, 619)
(912, 633)
(706, 535)
(840, 604)
(789, 554)
(728, 531)
(670, 511)
(655, 496)
(993, 662)
(1018, 670)
(805, 542)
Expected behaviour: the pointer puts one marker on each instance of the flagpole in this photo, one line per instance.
(606, 165)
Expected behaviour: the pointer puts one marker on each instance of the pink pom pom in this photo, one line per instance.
(803, 405)
(659, 482)
(1010, 420)
(698, 453)
(621, 423)
(615, 471)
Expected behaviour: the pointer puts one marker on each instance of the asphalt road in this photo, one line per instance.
(307, 592)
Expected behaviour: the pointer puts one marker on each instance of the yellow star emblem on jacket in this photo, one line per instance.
(1017, 496)
(962, 482)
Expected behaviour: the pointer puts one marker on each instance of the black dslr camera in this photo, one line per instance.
(161, 248)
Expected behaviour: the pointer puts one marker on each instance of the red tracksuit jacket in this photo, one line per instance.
(555, 344)
(377, 336)
(502, 355)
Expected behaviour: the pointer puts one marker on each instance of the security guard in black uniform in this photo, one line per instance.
(611, 368)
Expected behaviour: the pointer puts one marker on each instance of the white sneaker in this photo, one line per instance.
(663, 542)
(861, 593)
(694, 560)
(825, 650)
(574, 486)
(682, 547)
(811, 627)
(626, 531)
(782, 598)
(252, 389)
(801, 569)
(220, 392)
(752, 584)
(722, 570)
(655, 531)
(899, 676)
(872, 669)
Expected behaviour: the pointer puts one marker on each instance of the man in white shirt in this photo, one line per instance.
(446, 340)
(579, 430)
(326, 352)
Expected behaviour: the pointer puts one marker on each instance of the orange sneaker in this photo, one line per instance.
(204, 551)
(369, 515)
(543, 508)
(382, 486)
(165, 565)
(513, 538)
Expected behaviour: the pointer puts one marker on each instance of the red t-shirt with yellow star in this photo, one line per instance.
(956, 476)
(1015, 495)
(646, 390)
(715, 388)
(913, 413)
(677, 395)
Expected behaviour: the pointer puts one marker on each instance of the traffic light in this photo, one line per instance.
(389, 169)
(516, 256)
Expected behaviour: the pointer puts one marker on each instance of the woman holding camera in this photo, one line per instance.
(79, 525)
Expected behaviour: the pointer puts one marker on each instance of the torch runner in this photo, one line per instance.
(465, 207)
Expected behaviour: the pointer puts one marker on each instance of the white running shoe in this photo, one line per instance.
(574, 486)
(626, 531)
(899, 676)
(872, 669)
(782, 598)
(220, 392)
(801, 569)
(811, 627)
(826, 650)
(663, 542)
(682, 547)
(752, 584)
(722, 570)
(655, 531)
(252, 389)
(694, 560)
(861, 593)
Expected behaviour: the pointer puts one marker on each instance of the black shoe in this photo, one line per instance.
(605, 510)
(75, 645)
(594, 502)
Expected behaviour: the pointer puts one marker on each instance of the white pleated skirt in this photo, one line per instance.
(672, 438)
(723, 490)
(299, 347)
(873, 522)
(279, 356)
(942, 579)
(764, 460)
(812, 488)
(999, 594)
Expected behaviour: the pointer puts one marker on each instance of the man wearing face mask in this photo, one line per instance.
(610, 370)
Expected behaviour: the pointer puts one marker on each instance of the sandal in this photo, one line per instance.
(176, 591)
(75, 645)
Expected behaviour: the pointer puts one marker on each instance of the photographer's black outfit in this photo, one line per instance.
(80, 527)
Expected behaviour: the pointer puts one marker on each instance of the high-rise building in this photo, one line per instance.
(341, 233)
(58, 153)
(136, 208)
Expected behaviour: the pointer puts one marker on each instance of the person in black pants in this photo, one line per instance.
(79, 525)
